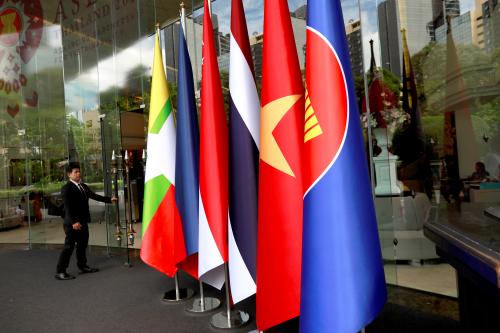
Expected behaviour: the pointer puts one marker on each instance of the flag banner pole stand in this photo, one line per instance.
(203, 304)
(114, 170)
(230, 318)
(178, 294)
(128, 207)
(129, 230)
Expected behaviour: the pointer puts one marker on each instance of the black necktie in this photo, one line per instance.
(82, 190)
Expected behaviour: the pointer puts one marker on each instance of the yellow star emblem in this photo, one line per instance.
(272, 113)
(8, 23)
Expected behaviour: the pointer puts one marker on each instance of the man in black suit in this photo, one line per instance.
(76, 196)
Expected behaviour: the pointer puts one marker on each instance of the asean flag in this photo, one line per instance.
(279, 234)
(343, 286)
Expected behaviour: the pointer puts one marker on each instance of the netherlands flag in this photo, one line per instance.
(244, 117)
(343, 286)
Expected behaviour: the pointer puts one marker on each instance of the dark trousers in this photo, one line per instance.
(81, 238)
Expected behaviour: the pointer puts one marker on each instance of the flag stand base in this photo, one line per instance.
(237, 319)
(210, 303)
(172, 297)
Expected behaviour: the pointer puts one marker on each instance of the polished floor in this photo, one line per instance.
(128, 299)
(431, 276)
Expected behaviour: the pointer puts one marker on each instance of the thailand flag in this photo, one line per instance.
(343, 286)
(244, 117)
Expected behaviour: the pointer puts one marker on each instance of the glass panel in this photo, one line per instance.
(125, 100)
(376, 89)
(32, 120)
(80, 48)
(442, 56)
(75, 85)
(410, 192)
(81, 78)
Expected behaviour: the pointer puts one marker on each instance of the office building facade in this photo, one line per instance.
(353, 33)
(440, 10)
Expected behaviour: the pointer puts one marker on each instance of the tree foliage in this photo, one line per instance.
(479, 72)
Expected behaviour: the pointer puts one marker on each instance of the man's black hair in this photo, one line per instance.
(71, 166)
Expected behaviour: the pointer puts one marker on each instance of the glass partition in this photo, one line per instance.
(33, 123)
(439, 60)
(75, 85)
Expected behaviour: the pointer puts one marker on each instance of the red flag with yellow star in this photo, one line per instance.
(280, 176)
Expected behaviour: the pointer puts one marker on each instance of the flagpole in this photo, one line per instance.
(229, 318)
(203, 304)
(368, 111)
(228, 300)
(200, 304)
(202, 297)
(183, 19)
(177, 294)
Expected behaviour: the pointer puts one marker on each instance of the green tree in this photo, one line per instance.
(390, 80)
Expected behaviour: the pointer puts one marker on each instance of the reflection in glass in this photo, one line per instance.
(79, 88)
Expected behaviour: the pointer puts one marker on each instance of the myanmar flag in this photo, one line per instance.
(162, 236)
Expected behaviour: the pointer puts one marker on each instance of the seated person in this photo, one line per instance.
(480, 173)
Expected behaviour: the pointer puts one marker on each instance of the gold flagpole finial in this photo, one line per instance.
(182, 14)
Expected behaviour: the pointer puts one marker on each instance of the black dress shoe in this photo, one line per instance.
(85, 270)
(64, 276)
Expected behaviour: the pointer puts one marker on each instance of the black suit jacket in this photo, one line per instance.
(76, 204)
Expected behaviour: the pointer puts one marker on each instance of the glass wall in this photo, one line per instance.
(75, 82)
(434, 110)
(74, 86)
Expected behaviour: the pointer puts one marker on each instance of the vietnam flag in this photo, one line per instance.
(279, 242)
(162, 236)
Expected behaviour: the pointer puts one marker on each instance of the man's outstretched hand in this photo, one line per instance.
(77, 226)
